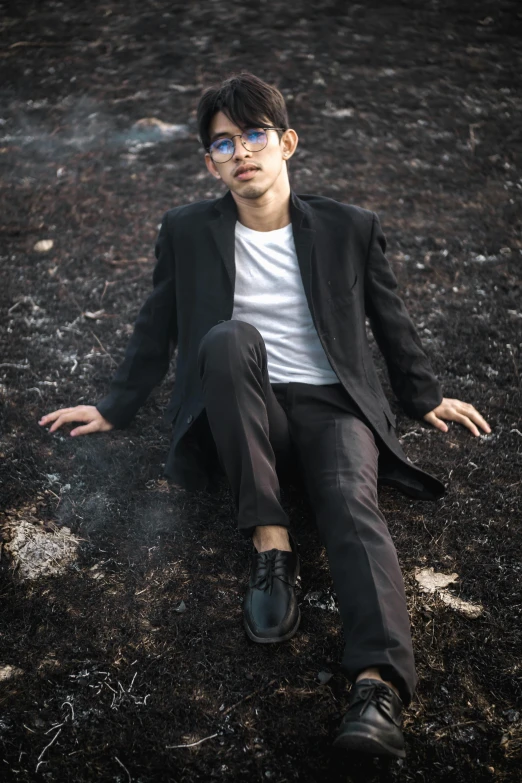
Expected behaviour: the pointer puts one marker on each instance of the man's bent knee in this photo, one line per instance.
(223, 333)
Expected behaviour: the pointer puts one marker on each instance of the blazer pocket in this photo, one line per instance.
(343, 297)
(172, 412)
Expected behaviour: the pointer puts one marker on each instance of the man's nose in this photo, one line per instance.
(240, 150)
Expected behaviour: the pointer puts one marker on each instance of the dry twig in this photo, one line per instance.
(47, 748)
(124, 767)
(246, 698)
(192, 744)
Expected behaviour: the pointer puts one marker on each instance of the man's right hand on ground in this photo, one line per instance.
(90, 416)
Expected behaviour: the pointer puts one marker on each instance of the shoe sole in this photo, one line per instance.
(271, 639)
(359, 742)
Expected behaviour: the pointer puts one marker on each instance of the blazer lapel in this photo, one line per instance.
(223, 231)
(304, 237)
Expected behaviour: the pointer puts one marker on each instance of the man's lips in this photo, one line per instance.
(246, 173)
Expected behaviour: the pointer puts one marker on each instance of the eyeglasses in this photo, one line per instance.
(253, 140)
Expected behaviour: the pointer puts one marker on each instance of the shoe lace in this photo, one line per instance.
(375, 693)
(270, 566)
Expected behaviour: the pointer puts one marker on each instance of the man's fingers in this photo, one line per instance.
(88, 415)
(57, 423)
(71, 415)
(472, 413)
(469, 416)
(64, 418)
(440, 425)
(86, 429)
(475, 416)
(461, 412)
(466, 422)
(54, 415)
(432, 419)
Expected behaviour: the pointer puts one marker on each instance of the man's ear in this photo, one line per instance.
(290, 141)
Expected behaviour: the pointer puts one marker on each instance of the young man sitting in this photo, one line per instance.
(265, 294)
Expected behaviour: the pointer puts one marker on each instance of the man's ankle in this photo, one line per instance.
(267, 537)
(374, 674)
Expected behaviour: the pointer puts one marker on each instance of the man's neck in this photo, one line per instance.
(267, 213)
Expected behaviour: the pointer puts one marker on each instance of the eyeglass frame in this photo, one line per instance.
(231, 138)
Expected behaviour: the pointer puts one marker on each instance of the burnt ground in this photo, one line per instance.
(409, 109)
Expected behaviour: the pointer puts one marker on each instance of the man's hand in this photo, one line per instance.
(92, 419)
(455, 410)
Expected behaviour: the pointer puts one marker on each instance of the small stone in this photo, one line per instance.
(43, 245)
(324, 677)
(430, 581)
(34, 552)
(6, 672)
(339, 114)
(165, 128)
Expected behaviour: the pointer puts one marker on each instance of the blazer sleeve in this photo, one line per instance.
(411, 376)
(152, 342)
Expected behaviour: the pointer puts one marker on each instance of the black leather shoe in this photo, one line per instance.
(372, 724)
(270, 610)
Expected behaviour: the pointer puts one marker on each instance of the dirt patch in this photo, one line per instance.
(409, 110)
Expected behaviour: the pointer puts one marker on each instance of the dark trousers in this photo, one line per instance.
(260, 430)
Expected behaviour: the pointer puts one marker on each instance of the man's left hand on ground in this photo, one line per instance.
(456, 410)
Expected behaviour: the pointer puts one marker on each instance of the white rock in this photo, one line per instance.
(35, 552)
(184, 87)
(166, 128)
(6, 672)
(43, 245)
(339, 114)
(465, 607)
(432, 582)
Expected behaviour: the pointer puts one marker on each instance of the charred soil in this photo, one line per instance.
(132, 663)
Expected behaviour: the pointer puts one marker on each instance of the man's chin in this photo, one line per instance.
(249, 191)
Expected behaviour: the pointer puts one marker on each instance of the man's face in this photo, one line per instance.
(268, 165)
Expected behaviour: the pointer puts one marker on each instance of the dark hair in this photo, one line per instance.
(246, 100)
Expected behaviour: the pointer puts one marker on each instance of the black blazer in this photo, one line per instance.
(346, 277)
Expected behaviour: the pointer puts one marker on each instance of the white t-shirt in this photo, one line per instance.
(269, 294)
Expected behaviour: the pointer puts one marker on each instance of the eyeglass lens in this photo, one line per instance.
(254, 139)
